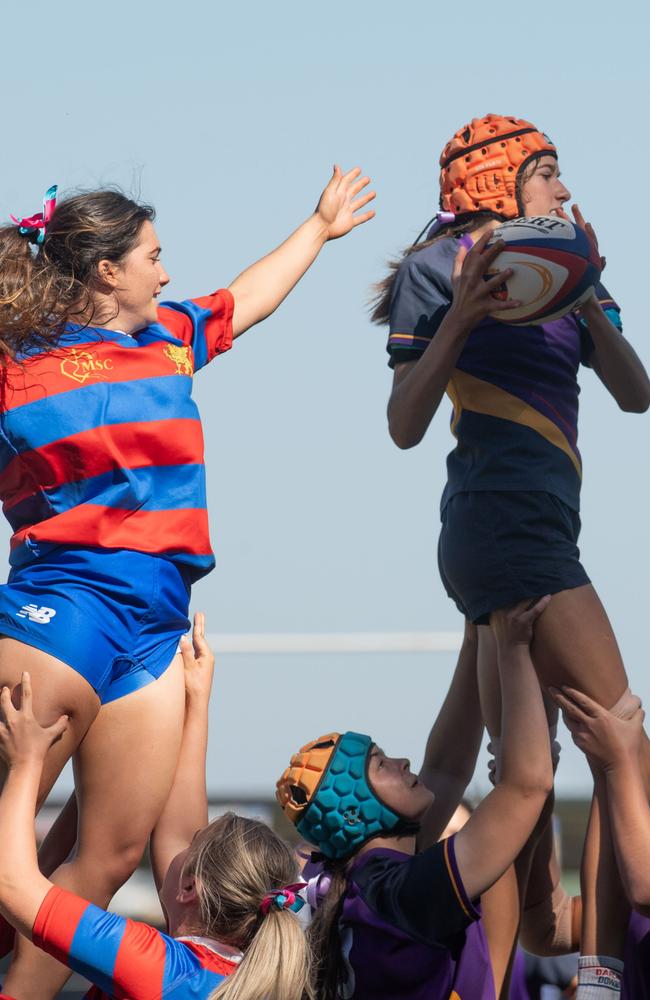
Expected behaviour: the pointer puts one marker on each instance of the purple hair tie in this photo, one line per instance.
(441, 219)
(317, 889)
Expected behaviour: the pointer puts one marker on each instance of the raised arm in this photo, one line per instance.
(613, 745)
(614, 360)
(186, 808)
(418, 386)
(23, 746)
(259, 290)
(500, 826)
(449, 763)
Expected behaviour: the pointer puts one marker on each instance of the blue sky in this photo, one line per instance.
(228, 119)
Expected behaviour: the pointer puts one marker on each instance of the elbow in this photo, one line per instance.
(403, 437)
(639, 405)
(533, 789)
(638, 893)
(403, 441)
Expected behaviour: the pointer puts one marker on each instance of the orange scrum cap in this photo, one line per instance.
(480, 164)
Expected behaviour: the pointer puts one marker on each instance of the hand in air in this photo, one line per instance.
(579, 220)
(472, 289)
(607, 740)
(339, 205)
(22, 738)
(198, 661)
(514, 626)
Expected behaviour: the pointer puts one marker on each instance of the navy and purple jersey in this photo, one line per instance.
(636, 959)
(124, 958)
(514, 389)
(408, 929)
(101, 443)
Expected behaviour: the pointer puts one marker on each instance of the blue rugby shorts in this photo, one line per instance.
(114, 616)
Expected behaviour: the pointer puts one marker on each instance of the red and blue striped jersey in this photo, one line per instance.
(101, 443)
(124, 958)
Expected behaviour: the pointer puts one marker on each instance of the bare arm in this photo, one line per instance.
(186, 808)
(449, 762)
(23, 746)
(613, 745)
(418, 387)
(616, 362)
(498, 829)
(259, 290)
(551, 918)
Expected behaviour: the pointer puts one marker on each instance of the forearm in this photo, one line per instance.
(22, 886)
(525, 736)
(460, 710)
(629, 819)
(616, 361)
(260, 289)
(186, 808)
(417, 396)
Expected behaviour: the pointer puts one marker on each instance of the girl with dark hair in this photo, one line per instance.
(396, 917)
(101, 475)
(228, 888)
(510, 509)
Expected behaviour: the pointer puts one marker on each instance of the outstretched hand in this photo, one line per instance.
(198, 661)
(607, 740)
(22, 738)
(338, 206)
(514, 626)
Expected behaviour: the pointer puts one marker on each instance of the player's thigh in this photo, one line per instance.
(574, 644)
(125, 766)
(57, 690)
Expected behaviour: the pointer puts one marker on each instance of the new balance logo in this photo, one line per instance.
(35, 614)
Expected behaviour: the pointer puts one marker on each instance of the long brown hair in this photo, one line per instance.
(44, 287)
(465, 222)
(234, 868)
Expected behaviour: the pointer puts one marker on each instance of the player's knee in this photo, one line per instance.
(114, 863)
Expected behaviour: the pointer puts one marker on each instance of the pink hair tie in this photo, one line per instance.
(34, 227)
(286, 898)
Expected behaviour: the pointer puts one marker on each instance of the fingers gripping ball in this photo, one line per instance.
(480, 164)
(326, 794)
(554, 269)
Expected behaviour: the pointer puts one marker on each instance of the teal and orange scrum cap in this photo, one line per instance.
(481, 163)
(326, 794)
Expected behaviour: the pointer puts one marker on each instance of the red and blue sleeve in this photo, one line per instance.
(204, 324)
(122, 957)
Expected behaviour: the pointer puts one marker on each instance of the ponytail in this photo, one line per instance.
(276, 964)
(324, 936)
(33, 298)
(236, 868)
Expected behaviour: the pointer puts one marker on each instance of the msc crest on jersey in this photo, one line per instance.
(82, 365)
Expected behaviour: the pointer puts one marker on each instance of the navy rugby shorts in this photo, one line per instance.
(499, 548)
(114, 616)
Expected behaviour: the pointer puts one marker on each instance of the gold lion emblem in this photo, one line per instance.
(182, 358)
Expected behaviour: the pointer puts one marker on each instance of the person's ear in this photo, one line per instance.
(187, 891)
(107, 273)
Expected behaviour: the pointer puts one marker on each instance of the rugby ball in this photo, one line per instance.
(554, 265)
